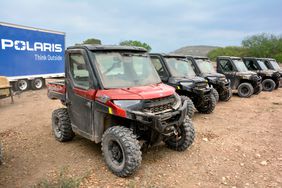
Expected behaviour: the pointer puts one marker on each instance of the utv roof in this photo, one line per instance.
(197, 57)
(169, 55)
(231, 57)
(250, 58)
(109, 48)
(269, 59)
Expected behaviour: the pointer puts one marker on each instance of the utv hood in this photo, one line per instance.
(137, 93)
(267, 72)
(247, 73)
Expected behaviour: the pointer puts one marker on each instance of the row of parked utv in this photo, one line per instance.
(128, 99)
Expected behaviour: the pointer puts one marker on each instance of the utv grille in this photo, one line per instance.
(159, 105)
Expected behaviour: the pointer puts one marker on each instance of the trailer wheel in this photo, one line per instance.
(37, 83)
(22, 85)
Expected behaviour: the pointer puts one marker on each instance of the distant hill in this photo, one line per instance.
(195, 50)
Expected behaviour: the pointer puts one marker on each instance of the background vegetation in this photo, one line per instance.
(136, 43)
(261, 45)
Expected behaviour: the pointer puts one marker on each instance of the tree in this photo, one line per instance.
(92, 41)
(261, 45)
(135, 43)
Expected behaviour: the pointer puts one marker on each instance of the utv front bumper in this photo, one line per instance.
(163, 123)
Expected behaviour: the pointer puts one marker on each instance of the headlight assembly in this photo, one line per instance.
(126, 103)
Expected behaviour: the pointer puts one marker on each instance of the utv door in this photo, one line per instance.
(79, 92)
(226, 67)
(161, 69)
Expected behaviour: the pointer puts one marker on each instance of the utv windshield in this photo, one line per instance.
(205, 66)
(240, 65)
(275, 65)
(262, 65)
(123, 70)
(180, 67)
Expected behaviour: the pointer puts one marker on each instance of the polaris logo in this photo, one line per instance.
(25, 45)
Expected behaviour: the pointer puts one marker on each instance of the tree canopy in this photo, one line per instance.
(92, 41)
(135, 43)
(261, 45)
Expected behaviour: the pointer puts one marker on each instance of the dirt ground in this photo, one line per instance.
(239, 145)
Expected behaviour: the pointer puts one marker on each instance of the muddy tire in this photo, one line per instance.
(61, 125)
(215, 94)
(184, 139)
(258, 89)
(121, 151)
(190, 106)
(268, 85)
(226, 96)
(207, 107)
(245, 90)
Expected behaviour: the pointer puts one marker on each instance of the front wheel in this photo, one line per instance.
(184, 138)
(226, 96)
(245, 90)
(121, 151)
(190, 106)
(258, 89)
(208, 106)
(268, 85)
(215, 94)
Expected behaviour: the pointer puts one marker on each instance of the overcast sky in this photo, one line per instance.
(166, 25)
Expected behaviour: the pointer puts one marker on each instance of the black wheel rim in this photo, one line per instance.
(177, 138)
(116, 153)
(267, 85)
(244, 90)
(57, 130)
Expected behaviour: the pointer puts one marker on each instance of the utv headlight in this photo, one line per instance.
(126, 103)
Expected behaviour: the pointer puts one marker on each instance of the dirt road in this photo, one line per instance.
(239, 145)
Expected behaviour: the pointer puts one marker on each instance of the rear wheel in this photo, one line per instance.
(37, 83)
(208, 106)
(268, 85)
(258, 89)
(184, 138)
(190, 106)
(121, 151)
(22, 85)
(215, 94)
(245, 90)
(61, 125)
(226, 96)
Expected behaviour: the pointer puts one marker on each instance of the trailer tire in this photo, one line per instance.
(245, 90)
(37, 83)
(215, 94)
(121, 151)
(22, 85)
(268, 85)
(187, 135)
(190, 106)
(61, 125)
